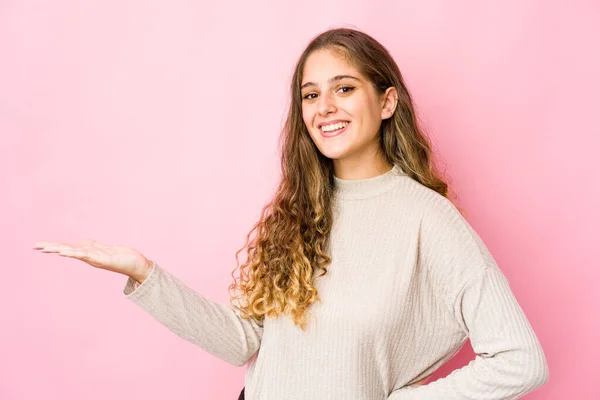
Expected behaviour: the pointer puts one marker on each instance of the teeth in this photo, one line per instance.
(333, 127)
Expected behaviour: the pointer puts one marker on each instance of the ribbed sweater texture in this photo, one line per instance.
(410, 281)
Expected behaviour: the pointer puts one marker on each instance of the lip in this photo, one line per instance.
(328, 135)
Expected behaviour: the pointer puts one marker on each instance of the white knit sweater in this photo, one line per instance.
(409, 282)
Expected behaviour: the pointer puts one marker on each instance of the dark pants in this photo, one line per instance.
(242, 394)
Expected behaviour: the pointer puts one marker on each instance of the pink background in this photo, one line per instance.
(154, 125)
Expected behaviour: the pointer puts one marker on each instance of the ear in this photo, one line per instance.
(389, 100)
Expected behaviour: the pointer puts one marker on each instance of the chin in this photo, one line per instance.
(335, 156)
(334, 151)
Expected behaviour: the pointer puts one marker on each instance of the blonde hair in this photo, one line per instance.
(288, 252)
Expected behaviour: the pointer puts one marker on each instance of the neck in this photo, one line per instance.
(360, 170)
(366, 187)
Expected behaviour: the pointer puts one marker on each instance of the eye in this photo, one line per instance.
(346, 89)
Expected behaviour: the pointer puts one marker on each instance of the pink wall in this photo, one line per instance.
(154, 125)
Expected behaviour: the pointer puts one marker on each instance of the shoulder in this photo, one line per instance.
(438, 216)
(446, 238)
(423, 201)
(450, 249)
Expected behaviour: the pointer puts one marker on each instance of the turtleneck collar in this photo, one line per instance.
(365, 188)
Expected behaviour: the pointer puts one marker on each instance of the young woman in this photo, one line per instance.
(362, 277)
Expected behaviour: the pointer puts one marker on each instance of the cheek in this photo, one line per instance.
(370, 114)
(306, 116)
(306, 120)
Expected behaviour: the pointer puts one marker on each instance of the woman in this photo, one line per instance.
(362, 278)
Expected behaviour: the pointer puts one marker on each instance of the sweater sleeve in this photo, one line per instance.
(217, 328)
(509, 359)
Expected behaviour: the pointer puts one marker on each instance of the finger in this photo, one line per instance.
(55, 247)
(74, 253)
(41, 245)
(52, 249)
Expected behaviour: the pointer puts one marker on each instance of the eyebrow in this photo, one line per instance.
(335, 78)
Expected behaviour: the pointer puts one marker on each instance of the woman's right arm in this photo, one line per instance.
(215, 327)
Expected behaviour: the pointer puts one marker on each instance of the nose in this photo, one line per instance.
(326, 104)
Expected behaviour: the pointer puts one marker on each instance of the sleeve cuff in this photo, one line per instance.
(133, 288)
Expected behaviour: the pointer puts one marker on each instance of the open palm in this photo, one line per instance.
(121, 259)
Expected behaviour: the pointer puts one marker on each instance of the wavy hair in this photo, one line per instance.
(288, 251)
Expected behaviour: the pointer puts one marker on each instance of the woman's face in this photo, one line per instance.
(342, 110)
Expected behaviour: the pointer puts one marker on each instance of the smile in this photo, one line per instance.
(332, 130)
